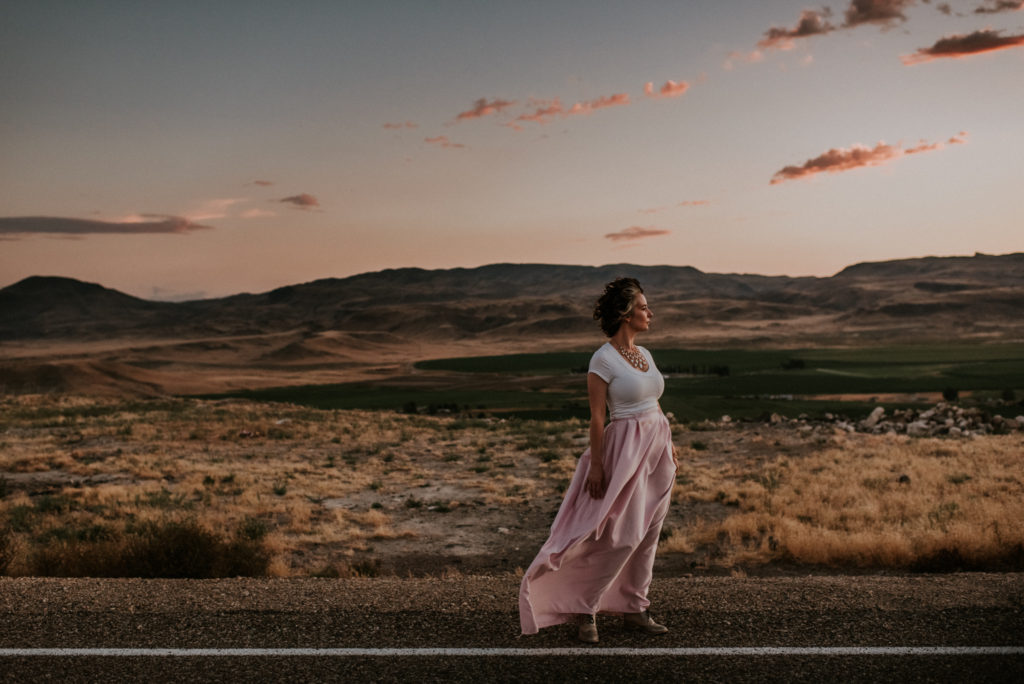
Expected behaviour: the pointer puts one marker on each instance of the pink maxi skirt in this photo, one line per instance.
(600, 554)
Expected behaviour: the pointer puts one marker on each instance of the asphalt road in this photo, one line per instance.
(711, 621)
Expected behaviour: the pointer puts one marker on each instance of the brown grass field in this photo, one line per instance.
(93, 486)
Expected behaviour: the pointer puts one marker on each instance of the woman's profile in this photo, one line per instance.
(599, 556)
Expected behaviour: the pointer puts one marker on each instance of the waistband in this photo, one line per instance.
(637, 416)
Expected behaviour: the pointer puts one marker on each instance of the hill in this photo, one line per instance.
(510, 300)
(66, 335)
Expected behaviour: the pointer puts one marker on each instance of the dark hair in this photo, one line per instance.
(616, 304)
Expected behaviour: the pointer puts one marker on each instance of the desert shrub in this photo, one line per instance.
(174, 549)
(950, 394)
(6, 547)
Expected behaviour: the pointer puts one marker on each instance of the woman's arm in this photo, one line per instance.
(597, 392)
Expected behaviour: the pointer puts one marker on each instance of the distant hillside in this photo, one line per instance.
(954, 294)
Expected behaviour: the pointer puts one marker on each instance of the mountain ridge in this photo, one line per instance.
(496, 299)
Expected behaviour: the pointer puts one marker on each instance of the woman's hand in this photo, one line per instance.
(595, 484)
(675, 456)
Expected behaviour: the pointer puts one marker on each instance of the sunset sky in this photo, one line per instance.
(198, 149)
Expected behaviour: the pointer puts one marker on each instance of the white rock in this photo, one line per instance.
(918, 428)
(873, 419)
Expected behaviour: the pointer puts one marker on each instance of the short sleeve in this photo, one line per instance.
(600, 365)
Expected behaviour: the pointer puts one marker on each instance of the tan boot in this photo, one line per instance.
(587, 632)
(642, 622)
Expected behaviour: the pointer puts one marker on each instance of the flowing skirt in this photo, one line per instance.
(600, 553)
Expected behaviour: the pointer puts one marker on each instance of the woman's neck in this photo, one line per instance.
(623, 339)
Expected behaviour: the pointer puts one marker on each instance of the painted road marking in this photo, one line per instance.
(515, 652)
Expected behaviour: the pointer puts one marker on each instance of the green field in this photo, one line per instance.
(702, 383)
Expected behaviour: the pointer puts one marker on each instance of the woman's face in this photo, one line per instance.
(640, 318)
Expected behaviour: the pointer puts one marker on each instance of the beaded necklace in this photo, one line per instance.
(635, 358)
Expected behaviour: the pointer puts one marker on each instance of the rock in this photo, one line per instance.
(873, 419)
(775, 419)
(955, 432)
(919, 428)
(726, 419)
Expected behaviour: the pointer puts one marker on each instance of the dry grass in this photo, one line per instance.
(328, 492)
(327, 485)
(865, 502)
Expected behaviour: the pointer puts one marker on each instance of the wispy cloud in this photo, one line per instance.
(443, 141)
(669, 89)
(839, 159)
(545, 111)
(261, 183)
(256, 213)
(399, 126)
(955, 47)
(636, 233)
(482, 108)
(811, 23)
(686, 203)
(301, 201)
(745, 57)
(213, 209)
(588, 107)
(886, 13)
(997, 6)
(56, 225)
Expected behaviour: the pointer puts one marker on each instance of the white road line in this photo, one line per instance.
(515, 652)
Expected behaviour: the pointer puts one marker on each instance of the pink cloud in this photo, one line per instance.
(147, 223)
(482, 108)
(636, 233)
(262, 183)
(545, 111)
(686, 203)
(398, 126)
(811, 23)
(959, 46)
(839, 160)
(586, 108)
(669, 89)
(443, 141)
(747, 57)
(301, 201)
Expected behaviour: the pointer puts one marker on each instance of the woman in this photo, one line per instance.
(600, 554)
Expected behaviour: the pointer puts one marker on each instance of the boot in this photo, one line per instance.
(587, 632)
(642, 622)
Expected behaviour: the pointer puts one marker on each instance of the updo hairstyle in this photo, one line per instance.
(616, 304)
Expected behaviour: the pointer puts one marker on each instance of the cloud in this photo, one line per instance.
(686, 203)
(958, 139)
(545, 111)
(443, 141)
(996, 6)
(586, 108)
(958, 46)
(482, 108)
(838, 160)
(636, 233)
(811, 23)
(55, 225)
(301, 201)
(884, 12)
(213, 209)
(748, 57)
(399, 126)
(945, 8)
(261, 183)
(669, 89)
(257, 213)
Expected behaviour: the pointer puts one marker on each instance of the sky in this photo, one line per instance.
(194, 149)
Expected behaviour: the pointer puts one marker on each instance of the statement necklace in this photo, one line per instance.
(635, 358)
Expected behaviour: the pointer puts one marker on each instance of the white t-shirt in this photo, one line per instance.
(631, 391)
